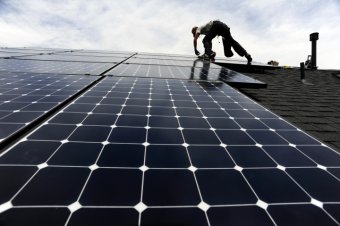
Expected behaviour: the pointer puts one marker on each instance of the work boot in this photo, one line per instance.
(213, 54)
(204, 57)
(208, 57)
(249, 58)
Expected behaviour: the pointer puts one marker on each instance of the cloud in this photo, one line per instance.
(268, 29)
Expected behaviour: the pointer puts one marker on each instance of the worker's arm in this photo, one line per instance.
(195, 43)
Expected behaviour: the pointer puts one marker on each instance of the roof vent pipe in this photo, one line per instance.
(313, 38)
(302, 71)
(302, 74)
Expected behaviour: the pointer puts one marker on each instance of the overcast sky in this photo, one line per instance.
(268, 29)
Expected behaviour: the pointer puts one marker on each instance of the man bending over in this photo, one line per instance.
(211, 30)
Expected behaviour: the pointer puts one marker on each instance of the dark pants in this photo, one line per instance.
(221, 29)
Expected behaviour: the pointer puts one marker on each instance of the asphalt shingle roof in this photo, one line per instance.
(314, 108)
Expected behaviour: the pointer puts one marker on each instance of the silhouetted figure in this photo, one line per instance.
(211, 30)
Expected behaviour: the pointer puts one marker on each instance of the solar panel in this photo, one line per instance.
(74, 58)
(234, 60)
(176, 66)
(161, 55)
(240, 64)
(192, 58)
(103, 52)
(171, 62)
(166, 57)
(161, 71)
(36, 66)
(96, 54)
(12, 54)
(204, 70)
(24, 97)
(26, 50)
(146, 151)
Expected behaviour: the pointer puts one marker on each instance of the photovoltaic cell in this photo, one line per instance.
(35, 216)
(147, 151)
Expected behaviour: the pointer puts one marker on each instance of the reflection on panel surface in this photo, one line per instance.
(199, 70)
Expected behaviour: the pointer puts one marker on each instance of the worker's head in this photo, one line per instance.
(193, 31)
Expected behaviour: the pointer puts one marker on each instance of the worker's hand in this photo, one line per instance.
(197, 52)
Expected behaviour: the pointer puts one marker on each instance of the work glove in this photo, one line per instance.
(197, 52)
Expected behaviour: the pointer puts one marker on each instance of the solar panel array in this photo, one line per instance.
(161, 150)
